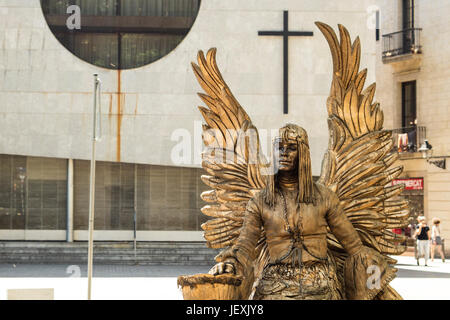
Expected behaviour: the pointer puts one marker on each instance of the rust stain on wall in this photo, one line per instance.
(120, 96)
(136, 106)
(110, 105)
(110, 122)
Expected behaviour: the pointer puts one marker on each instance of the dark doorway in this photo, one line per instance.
(409, 107)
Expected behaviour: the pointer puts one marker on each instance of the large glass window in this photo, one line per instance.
(169, 198)
(33, 193)
(121, 34)
(166, 198)
(114, 195)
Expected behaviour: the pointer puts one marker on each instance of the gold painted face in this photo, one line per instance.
(287, 155)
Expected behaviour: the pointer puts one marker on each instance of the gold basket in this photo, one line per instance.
(206, 286)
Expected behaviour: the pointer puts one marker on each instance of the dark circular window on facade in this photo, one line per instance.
(120, 34)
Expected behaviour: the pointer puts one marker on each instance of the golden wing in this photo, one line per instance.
(357, 165)
(231, 157)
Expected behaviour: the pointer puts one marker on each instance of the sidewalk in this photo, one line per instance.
(160, 282)
(415, 282)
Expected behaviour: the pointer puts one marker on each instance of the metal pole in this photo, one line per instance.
(69, 236)
(135, 211)
(92, 188)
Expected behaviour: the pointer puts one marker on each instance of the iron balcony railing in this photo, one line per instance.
(402, 42)
(408, 139)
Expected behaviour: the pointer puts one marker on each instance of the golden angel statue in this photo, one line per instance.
(283, 235)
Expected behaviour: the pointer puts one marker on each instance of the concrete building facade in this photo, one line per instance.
(46, 98)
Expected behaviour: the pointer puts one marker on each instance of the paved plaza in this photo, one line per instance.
(119, 282)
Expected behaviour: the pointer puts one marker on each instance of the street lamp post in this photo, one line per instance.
(427, 152)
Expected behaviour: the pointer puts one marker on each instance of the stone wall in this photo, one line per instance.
(46, 92)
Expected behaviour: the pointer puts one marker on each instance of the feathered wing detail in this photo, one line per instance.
(357, 164)
(232, 158)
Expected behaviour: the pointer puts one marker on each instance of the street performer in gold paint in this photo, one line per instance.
(294, 212)
(284, 236)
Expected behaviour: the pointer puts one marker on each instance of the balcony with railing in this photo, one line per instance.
(404, 42)
(408, 139)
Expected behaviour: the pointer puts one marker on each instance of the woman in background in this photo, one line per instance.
(436, 240)
(423, 239)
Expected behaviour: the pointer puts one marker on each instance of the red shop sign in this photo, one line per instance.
(410, 183)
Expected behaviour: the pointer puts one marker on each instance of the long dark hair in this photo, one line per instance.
(305, 182)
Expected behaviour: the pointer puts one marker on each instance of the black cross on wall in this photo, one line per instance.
(285, 33)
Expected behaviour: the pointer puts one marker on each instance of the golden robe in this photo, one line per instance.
(299, 259)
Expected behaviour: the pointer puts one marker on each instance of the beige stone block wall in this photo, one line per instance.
(433, 108)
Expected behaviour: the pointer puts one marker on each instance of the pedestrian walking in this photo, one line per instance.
(436, 240)
(423, 240)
